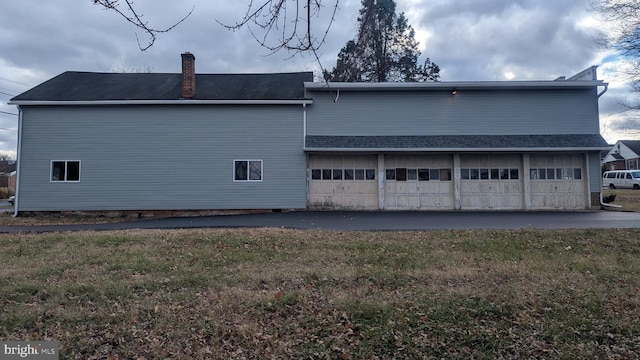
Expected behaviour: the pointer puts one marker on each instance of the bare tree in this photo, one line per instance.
(286, 24)
(275, 24)
(623, 22)
(131, 14)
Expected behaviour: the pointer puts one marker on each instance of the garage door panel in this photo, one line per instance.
(351, 189)
(491, 181)
(418, 182)
(557, 181)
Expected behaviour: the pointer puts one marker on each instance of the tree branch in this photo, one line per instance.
(133, 17)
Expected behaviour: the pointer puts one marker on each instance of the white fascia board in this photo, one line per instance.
(462, 85)
(164, 102)
(461, 150)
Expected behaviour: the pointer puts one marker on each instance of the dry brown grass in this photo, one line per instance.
(275, 293)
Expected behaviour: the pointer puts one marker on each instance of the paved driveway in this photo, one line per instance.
(376, 221)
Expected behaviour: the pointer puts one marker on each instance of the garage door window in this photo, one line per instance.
(343, 174)
(488, 174)
(404, 174)
(556, 174)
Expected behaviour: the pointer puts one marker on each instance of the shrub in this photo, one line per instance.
(5, 192)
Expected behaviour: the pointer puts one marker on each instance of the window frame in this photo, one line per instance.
(66, 171)
(248, 179)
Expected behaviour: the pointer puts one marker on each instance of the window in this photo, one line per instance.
(348, 174)
(488, 174)
(445, 174)
(423, 174)
(412, 174)
(65, 171)
(343, 174)
(247, 170)
(542, 174)
(550, 174)
(371, 174)
(391, 174)
(401, 174)
(567, 174)
(434, 174)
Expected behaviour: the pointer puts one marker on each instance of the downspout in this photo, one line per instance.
(304, 126)
(602, 203)
(19, 162)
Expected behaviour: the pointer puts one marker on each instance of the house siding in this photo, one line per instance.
(162, 157)
(470, 112)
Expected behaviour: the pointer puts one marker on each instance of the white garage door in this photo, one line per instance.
(557, 181)
(343, 182)
(491, 181)
(418, 182)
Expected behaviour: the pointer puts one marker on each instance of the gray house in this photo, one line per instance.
(104, 141)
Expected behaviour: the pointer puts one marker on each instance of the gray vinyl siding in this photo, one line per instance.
(595, 171)
(162, 157)
(480, 112)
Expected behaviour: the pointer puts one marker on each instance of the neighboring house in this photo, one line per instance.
(625, 155)
(7, 167)
(95, 141)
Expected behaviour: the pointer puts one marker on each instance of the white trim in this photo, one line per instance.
(66, 171)
(458, 85)
(163, 102)
(248, 168)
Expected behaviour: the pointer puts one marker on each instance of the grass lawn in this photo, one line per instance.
(276, 293)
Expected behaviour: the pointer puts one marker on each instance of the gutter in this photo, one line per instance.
(16, 204)
(532, 149)
(163, 102)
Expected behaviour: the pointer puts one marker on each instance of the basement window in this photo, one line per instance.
(247, 170)
(65, 171)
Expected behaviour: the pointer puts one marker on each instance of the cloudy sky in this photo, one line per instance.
(468, 39)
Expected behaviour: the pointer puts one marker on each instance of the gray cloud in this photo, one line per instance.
(470, 40)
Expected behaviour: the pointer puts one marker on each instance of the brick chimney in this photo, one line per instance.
(188, 75)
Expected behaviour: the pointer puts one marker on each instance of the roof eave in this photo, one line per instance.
(515, 149)
(459, 85)
(161, 102)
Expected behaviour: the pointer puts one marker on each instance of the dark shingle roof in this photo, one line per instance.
(86, 86)
(497, 142)
(634, 145)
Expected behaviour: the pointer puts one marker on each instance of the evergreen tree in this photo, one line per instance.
(384, 50)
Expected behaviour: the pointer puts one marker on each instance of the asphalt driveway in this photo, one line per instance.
(373, 221)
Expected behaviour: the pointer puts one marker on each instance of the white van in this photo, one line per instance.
(623, 179)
